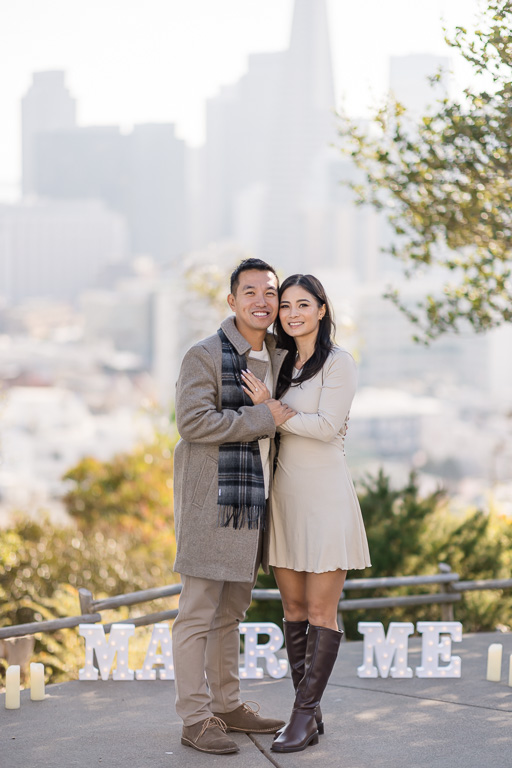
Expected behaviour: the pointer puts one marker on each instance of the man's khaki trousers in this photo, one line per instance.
(205, 638)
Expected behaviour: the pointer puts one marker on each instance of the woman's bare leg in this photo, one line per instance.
(323, 592)
(312, 596)
(292, 586)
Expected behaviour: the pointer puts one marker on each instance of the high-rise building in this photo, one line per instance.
(83, 163)
(302, 129)
(47, 106)
(269, 163)
(272, 179)
(157, 200)
(56, 249)
(239, 126)
(140, 175)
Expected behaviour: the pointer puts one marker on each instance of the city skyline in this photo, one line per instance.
(94, 269)
(266, 176)
(122, 83)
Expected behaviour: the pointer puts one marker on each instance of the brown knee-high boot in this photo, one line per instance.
(296, 640)
(321, 652)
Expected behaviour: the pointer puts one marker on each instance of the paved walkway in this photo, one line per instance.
(416, 723)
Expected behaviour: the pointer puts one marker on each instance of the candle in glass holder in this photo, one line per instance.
(494, 662)
(36, 682)
(12, 687)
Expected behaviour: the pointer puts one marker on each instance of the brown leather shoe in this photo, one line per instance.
(208, 736)
(247, 720)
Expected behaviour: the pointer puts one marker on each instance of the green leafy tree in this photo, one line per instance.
(43, 566)
(131, 496)
(446, 185)
(476, 546)
(395, 521)
(121, 540)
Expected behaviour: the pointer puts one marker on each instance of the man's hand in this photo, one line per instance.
(280, 411)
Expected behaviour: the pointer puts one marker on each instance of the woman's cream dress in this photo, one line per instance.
(316, 522)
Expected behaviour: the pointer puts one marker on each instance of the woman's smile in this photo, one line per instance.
(299, 312)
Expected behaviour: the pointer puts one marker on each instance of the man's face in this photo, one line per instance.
(255, 301)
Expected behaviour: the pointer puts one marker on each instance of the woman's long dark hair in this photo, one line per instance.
(324, 340)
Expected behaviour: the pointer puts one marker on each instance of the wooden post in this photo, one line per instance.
(86, 601)
(446, 608)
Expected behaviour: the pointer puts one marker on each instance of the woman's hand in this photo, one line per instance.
(256, 389)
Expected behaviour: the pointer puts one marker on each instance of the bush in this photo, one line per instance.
(121, 540)
(409, 535)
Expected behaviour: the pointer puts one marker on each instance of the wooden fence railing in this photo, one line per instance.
(450, 590)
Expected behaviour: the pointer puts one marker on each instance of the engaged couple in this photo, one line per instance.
(244, 499)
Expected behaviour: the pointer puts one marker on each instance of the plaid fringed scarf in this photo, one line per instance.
(241, 486)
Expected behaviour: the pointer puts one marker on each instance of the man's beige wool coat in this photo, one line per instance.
(204, 549)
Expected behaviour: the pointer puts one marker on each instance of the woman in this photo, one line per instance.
(317, 531)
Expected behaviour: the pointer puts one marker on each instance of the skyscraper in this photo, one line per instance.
(239, 125)
(57, 248)
(88, 162)
(140, 175)
(47, 106)
(157, 204)
(268, 160)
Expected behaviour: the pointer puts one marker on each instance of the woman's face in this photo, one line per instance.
(299, 313)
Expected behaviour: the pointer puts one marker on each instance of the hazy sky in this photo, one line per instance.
(130, 61)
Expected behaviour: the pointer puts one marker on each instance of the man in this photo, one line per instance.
(221, 489)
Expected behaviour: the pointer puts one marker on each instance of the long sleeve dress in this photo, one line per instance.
(316, 522)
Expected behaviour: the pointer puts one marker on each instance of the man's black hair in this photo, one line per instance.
(246, 264)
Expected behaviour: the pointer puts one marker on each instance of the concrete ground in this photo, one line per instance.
(371, 723)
